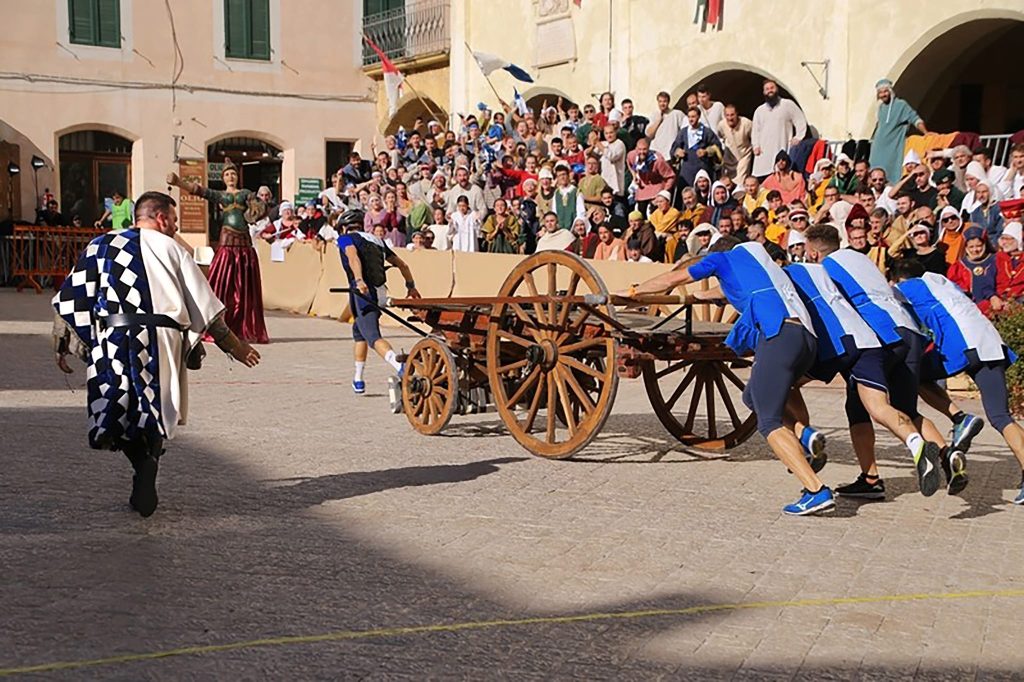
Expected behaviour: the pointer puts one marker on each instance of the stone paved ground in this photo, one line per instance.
(289, 507)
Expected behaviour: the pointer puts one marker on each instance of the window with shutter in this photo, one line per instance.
(247, 29)
(95, 22)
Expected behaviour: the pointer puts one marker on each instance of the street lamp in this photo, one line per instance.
(12, 170)
(37, 163)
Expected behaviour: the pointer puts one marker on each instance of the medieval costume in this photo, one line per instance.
(891, 131)
(136, 304)
(977, 278)
(235, 270)
(775, 123)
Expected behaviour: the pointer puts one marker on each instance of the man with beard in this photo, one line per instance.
(734, 131)
(778, 124)
(894, 115)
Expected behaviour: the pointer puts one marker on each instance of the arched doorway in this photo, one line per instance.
(964, 79)
(258, 161)
(535, 102)
(93, 165)
(739, 87)
(426, 110)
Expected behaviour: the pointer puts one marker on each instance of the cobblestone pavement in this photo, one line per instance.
(291, 508)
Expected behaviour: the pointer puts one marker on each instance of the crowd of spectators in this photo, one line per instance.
(606, 183)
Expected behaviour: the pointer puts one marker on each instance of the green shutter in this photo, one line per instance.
(109, 34)
(236, 39)
(259, 29)
(81, 24)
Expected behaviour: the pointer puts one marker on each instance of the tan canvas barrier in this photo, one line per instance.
(302, 282)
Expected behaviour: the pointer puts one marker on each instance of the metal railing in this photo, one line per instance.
(999, 144)
(416, 30)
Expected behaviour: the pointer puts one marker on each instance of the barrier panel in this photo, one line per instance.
(40, 251)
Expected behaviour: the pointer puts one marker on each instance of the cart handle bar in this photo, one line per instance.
(385, 311)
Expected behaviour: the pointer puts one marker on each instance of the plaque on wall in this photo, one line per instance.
(192, 210)
(556, 42)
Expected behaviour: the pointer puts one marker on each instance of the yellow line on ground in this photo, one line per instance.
(344, 635)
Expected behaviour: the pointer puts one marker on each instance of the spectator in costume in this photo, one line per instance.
(894, 115)
(778, 124)
(975, 271)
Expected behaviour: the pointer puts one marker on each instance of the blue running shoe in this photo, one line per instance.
(358, 387)
(964, 432)
(1020, 497)
(401, 370)
(811, 503)
(813, 442)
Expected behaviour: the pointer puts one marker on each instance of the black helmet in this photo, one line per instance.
(352, 216)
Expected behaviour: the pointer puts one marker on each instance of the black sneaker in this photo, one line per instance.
(144, 499)
(927, 463)
(954, 467)
(863, 489)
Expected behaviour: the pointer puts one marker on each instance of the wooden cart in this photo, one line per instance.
(547, 353)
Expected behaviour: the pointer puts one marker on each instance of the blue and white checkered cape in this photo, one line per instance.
(123, 374)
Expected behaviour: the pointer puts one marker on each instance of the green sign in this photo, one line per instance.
(309, 189)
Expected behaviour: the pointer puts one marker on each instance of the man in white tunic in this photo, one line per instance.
(137, 305)
(778, 124)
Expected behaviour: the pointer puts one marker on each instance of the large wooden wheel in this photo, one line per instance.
(700, 401)
(551, 365)
(430, 387)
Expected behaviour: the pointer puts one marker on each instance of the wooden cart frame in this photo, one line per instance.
(547, 353)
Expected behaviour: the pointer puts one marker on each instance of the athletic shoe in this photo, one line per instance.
(863, 489)
(358, 387)
(1020, 496)
(144, 498)
(401, 370)
(813, 442)
(964, 432)
(926, 461)
(811, 503)
(954, 466)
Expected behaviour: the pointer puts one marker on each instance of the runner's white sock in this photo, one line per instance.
(360, 366)
(392, 360)
(914, 442)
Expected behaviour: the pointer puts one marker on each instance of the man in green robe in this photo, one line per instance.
(894, 115)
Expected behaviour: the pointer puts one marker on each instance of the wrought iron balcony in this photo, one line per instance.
(419, 29)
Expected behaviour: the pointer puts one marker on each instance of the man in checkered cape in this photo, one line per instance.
(135, 307)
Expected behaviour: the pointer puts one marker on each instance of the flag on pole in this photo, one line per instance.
(519, 103)
(392, 77)
(489, 63)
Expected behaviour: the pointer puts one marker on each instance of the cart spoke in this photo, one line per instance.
(512, 366)
(727, 399)
(694, 402)
(429, 364)
(551, 407)
(552, 290)
(418, 366)
(585, 343)
(518, 340)
(442, 391)
(731, 376)
(671, 402)
(581, 395)
(527, 382)
(709, 392)
(531, 286)
(672, 368)
(570, 361)
(577, 324)
(563, 396)
(531, 416)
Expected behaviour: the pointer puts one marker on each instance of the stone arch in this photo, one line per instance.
(535, 97)
(259, 157)
(93, 161)
(730, 83)
(411, 107)
(957, 64)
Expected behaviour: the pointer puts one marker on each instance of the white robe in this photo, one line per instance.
(179, 290)
(772, 130)
(465, 231)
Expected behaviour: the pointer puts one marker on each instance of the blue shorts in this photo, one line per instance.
(990, 378)
(366, 320)
(902, 374)
(862, 366)
(778, 363)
